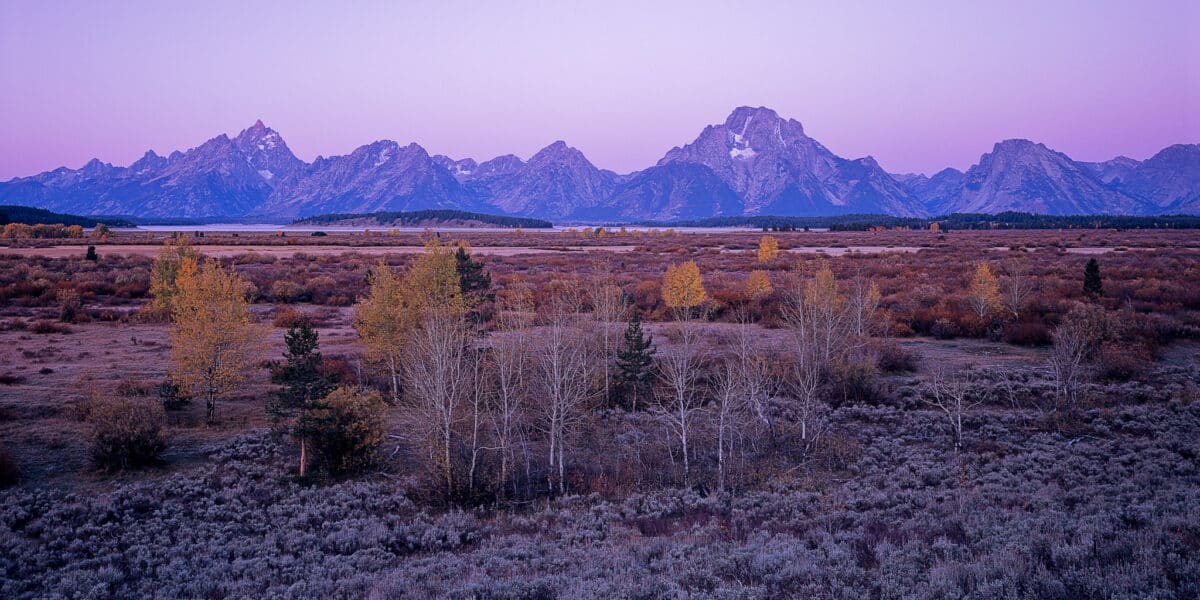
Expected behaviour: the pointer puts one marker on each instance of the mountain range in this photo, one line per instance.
(755, 163)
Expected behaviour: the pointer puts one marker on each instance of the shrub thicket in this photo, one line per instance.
(346, 429)
(8, 468)
(126, 432)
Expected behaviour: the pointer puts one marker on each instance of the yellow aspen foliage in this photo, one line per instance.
(768, 248)
(984, 293)
(380, 318)
(432, 281)
(682, 286)
(165, 271)
(214, 340)
(758, 285)
(822, 294)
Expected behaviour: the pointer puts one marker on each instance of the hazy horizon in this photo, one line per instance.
(920, 88)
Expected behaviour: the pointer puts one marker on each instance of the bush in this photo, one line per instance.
(288, 317)
(8, 468)
(286, 291)
(171, 396)
(126, 433)
(44, 327)
(1122, 362)
(890, 357)
(1026, 333)
(347, 429)
(69, 305)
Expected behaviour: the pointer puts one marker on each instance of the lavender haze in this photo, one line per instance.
(919, 86)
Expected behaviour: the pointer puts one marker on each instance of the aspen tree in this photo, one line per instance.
(214, 340)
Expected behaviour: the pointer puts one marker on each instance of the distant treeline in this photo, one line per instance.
(417, 217)
(35, 216)
(1004, 220)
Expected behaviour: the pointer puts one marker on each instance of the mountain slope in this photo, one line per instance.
(1020, 175)
(755, 162)
(675, 190)
(382, 176)
(1170, 180)
(774, 166)
(221, 177)
(557, 181)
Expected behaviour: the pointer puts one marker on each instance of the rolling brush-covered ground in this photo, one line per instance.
(1098, 499)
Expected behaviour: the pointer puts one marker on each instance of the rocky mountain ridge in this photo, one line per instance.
(755, 162)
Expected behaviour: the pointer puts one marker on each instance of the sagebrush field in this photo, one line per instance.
(523, 414)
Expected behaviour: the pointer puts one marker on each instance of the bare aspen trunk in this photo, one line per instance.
(395, 379)
(303, 456)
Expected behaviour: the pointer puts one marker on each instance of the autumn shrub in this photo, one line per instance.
(288, 317)
(338, 367)
(171, 396)
(286, 291)
(43, 327)
(126, 433)
(324, 289)
(1026, 333)
(1122, 361)
(891, 357)
(944, 329)
(347, 429)
(9, 473)
(854, 382)
(69, 305)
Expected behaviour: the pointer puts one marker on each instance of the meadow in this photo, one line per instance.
(953, 435)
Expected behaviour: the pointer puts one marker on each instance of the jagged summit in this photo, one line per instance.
(754, 162)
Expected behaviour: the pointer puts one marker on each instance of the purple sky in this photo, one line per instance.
(920, 86)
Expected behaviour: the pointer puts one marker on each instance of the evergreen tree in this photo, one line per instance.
(1092, 285)
(634, 360)
(91, 254)
(472, 278)
(304, 385)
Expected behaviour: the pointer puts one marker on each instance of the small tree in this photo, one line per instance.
(473, 280)
(213, 337)
(165, 271)
(683, 288)
(303, 382)
(861, 304)
(955, 396)
(758, 285)
(436, 373)
(1076, 341)
(608, 305)
(1093, 286)
(381, 322)
(1017, 288)
(634, 360)
(768, 248)
(680, 400)
(563, 366)
(984, 294)
(346, 428)
(91, 254)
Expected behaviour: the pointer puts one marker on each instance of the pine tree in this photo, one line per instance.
(91, 254)
(1092, 285)
(471, 275)
(304, 385)
(634, 360)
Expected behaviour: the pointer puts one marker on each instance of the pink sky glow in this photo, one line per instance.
(919, 85)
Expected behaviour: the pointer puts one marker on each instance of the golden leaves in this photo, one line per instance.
(682, 286)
